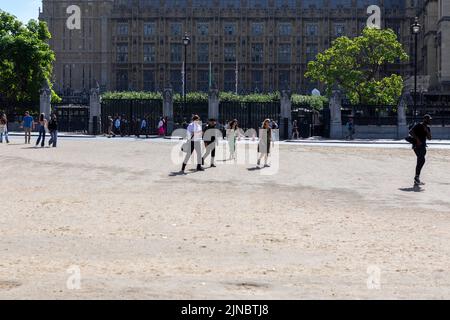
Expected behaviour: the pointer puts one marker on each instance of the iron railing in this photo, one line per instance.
(367, 115)
(132, 112)
(249, 114)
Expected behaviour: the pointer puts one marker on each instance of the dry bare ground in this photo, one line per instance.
(137, 231)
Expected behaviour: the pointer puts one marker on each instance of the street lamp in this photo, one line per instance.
(186, 43)
(415, 30)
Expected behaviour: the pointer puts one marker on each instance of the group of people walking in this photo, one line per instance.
(45, 125)
(208, 135)
(197, 136)
(28, 124)
(121, 126)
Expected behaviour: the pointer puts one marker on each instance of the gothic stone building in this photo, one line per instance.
(434, 44)
(137, 44)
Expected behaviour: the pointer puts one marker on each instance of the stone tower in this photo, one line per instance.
(82, 55)
(443, 43)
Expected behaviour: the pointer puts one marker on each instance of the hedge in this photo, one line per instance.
(316, 102)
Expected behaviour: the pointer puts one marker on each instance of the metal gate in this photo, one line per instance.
(249, 114)
(72, 118)
(310, 121)
(183, 113)
(131, 113)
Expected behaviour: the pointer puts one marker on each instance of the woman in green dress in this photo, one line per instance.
(232, 135)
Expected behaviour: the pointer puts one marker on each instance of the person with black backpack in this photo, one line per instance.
(418, 137)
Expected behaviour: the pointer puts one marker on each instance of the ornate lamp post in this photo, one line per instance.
(416, 28)
(186, 43)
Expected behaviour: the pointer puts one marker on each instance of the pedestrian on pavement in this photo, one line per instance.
(233, 134)
(194, 142)
(161, 127)
(110, 127)
(210, 138)
(295, 132)
(265, 137)
(28, 126)
(43, 125)
(53, 129)
(117, 125)
(4, 128)
(350, 129)
(421, 132)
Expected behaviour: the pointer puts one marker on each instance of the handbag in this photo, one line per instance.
(411, 140)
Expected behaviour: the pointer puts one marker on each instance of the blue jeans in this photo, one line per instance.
(53, 138)
(5, 134)
(41, 137)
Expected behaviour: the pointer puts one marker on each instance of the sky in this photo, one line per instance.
(22, 9)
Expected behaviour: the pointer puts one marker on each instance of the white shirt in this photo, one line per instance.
(195, 131)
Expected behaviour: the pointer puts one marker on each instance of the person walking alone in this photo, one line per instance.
(161, 132)
(118, 125)
(143, 128)
(43, 125)
(110, 127)
(53, 129)
(350, 129)
(265, 139)
(28, 126)
(232, 135)
(210, 139)
(295, 132)
(4, 128)
(421, 132)
(195, 133)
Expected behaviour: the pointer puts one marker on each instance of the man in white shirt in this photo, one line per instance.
(195, 135)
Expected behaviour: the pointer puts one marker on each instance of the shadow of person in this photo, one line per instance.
(415, 188)
(181, 173)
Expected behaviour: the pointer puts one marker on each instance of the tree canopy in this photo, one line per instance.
(356, 66)
(26, 60)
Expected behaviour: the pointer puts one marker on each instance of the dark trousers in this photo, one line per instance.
(420, 153)
(210, 149)
(41, 137)
(197, 146)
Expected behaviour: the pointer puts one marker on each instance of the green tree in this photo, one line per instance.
(26, 60)
(355, 66)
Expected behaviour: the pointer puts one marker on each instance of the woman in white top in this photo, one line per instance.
(195, 135)
(43, 125)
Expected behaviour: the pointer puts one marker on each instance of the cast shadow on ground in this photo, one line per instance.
(188, 172)
(412, 189)
(36, 148)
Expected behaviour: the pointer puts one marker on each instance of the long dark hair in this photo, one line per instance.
(42, 117)
(232, 123)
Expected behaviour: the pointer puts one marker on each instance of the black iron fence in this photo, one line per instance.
(249, 114)
(131, 114)
(183, 112)
(72, 118)
(16, 110)
(367, 115)
(311, 122)
(439, 112)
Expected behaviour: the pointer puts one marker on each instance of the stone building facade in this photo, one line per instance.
(264, 44)
(434, 57)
